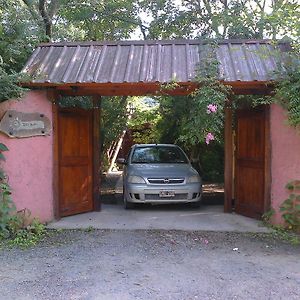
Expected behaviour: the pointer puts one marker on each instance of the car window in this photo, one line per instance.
(158, 154)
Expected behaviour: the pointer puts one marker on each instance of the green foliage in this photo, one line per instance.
(171, 111)
(2, 148)
(212, 162)
(20, 231)
(288, 89)
(114, 117)
(174, 111)
(101, 20)
(198, 124)
(290, 208)
(84, 102)
(196, 119)
(89, 229)
(18, 35)
(220, 19)
(192, 118)
(207, 101)
(144, 120)
(267, 216)
(7, 206)
(14, 225)
(9, 85)
(28, 236)
(279, 232)
(251, 101)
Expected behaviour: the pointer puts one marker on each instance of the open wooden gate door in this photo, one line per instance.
(75, 155)
(251, 187)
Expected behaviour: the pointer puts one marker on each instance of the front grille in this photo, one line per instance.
(166, 180)
(156, 197)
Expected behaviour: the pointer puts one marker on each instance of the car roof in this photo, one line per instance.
(154, 145)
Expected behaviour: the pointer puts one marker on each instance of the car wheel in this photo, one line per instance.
(127, 205)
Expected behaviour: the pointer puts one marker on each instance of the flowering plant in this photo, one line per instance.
(209, 137)
(205, 121)
(211, 108)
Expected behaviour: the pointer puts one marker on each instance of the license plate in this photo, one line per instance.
(166, 194)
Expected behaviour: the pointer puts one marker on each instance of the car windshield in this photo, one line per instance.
(158, 154)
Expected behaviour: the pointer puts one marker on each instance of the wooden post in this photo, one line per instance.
(228, 170)
(53, 97)
(96, 152)
(268, 149)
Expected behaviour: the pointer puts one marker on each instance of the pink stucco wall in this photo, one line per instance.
(29, 160)
(285, 162)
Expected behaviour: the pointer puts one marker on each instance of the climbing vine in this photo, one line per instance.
(7, 206)
(287, 85)
(16, 227)
(207, 102)
(290, 208)
(287, 92)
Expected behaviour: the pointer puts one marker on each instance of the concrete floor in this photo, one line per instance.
(183, 217)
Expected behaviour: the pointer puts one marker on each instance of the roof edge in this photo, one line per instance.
(166, 42)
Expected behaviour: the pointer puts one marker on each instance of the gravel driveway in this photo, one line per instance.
(103, 264)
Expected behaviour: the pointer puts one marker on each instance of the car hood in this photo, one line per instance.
(161, 170)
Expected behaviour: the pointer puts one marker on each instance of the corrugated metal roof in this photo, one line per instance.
(150, 61)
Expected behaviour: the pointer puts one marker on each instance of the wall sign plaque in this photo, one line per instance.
(19, 125)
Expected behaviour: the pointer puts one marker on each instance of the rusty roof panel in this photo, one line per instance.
(150, 61)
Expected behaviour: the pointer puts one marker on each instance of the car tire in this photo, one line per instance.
(127, 205)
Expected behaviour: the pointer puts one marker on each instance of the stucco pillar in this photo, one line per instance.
(29, 161)
(285, 161)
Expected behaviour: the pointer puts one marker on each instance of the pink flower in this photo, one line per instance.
(212, 108)
(209, 137)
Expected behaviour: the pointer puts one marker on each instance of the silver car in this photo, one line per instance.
(157, 174)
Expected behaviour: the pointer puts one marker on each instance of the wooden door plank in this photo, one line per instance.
(75, 160)
(250, 163)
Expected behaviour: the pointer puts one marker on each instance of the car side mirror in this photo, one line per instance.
(121, 161)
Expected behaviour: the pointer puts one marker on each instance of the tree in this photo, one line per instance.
(221, 18)
(101, 20)
(43, 12)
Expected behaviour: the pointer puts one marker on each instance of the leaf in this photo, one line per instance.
(3, 147)
(2, 157)
(2, 175)
(289, 186)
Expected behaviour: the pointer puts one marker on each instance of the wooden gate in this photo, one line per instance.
(252, 163)
(75, 161)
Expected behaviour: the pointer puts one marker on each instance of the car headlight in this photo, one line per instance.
(136, 179)
(194, 179)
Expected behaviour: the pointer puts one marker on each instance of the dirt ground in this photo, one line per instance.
(102, 264)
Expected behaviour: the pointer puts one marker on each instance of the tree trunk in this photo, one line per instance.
(46, 19)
